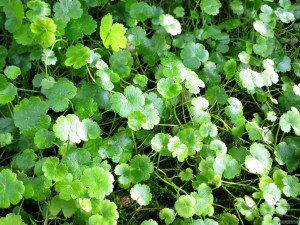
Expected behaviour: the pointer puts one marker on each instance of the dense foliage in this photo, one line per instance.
(151, 112)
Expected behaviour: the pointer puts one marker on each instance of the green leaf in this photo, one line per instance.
(218, 146)
(186, 175)
(77, 56)
(91, 129)
(159, 143)
(271, 193)
(152, 117)
(125, 174)
(193, 54)
(76, 28)
(149, 222)
(112, 34)
(43, 30)
(26, 160)
(179, 11)
(142, 168)
(284, 65)
(53, 170)
(37, 188)
(131, 101)
(106, 78)
(14, 13)
(31, 111)
(37, 9)
(259, 161)
(288, 153)
(282, 207)
(263, 28)
(204, 200)
(207, 170)
(290, 119)
(5, 139)
(140, 11)
(211, 7)
(69, 188)
(140, 80)
(237, 7)
(167, 214)
(66, 9)
(48, 57)
(7, 91)
(11, 189)
(251, 79)
(59, 94)
(266, 209)
(11, 219)
(239, 153)
(43, 139)
(109, 210)
(184, 206)
(178, 149)
(136, 35)
(77, 161)
(121, 63)
(168, 88)
(216, 93)
(292, 186)
(208, 129)
(227, 165)
(141, 193)
(136, 119)
(198, 110)
(67, 207)
(228, 219)
(98, 181)
(70, 128)
(192, 139)
(171, 25)
(24, 35)
(247, 207)
(85, 108)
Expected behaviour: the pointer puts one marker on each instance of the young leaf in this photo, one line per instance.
(112, 34)
(141, 193)
(136, 119)
(184, 206)
(77, 56)
(167, 214)
(43, 30)
(11, 188)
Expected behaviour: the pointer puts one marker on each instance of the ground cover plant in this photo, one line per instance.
(149, 112)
